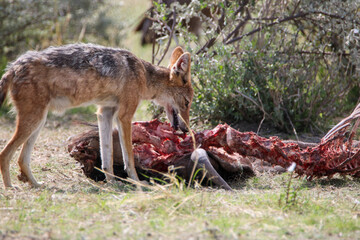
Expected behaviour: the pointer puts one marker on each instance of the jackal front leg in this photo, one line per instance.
(125, 136)
(105, 118)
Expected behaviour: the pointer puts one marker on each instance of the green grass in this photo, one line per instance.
(73, 207)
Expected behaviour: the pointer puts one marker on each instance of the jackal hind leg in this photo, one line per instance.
(27, 123)
(25, 157)
(105, 118)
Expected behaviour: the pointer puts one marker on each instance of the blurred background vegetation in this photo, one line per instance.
(291, 65)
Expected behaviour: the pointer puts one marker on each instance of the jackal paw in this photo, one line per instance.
(113, 183)
(13, 188)
(37, 185)
(144, 183)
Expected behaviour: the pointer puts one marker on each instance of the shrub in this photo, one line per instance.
(294, 64)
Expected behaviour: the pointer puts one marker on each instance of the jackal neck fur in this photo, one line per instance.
(156, 77)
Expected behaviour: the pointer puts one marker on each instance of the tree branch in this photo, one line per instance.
(299, 15)
(285, 19)
(241, 24)
(208, 44)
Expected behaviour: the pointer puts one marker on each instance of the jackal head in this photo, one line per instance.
(180, 91)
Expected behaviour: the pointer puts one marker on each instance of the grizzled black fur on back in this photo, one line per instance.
(108, 62)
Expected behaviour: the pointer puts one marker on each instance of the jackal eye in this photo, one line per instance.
(184, 79)
(186, 103)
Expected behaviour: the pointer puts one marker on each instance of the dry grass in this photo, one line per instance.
(72, 207)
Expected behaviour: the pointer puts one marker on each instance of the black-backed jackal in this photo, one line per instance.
(115, 80)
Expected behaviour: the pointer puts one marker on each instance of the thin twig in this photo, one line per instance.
(288, 188)
(285, 19)
(260, 124)
(194, 145)
(254, 102)
(263, 119)
(291, 123)
(170, 37)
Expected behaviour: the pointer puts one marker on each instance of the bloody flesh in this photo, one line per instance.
(157, 146)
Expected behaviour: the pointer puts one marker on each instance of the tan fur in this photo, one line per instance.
(36, 87)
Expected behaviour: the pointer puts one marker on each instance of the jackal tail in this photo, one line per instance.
(4, 85)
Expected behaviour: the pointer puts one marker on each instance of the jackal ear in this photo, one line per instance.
(178, 51)
(181, 68)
